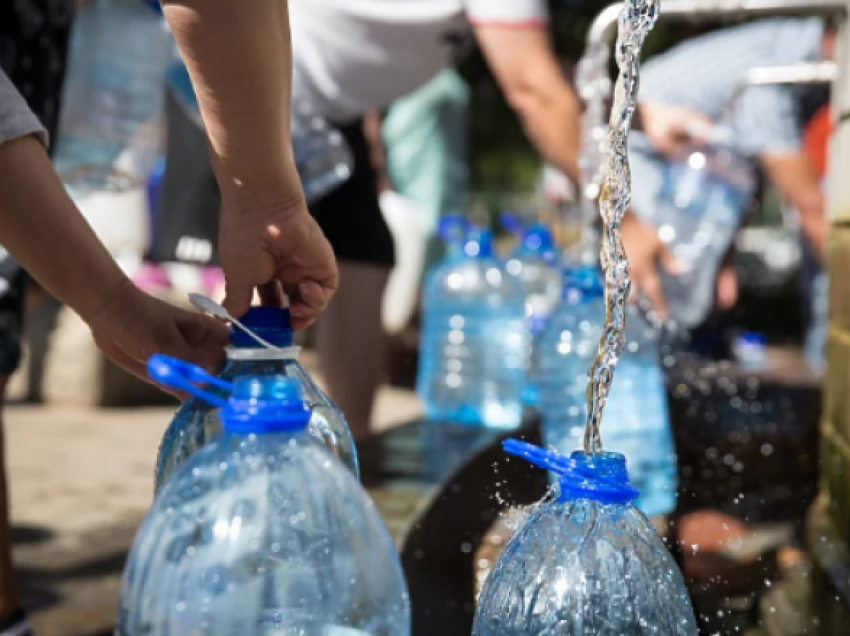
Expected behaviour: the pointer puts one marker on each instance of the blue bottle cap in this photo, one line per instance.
(538, 239)
(511, 223)
(257, 404)
(272, 324)
(750, 338)
(265, 404)
(452, 228)
(154, 4)
(479, 243)
(585, 280)
(601, 477)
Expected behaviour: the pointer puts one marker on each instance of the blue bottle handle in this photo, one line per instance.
(570, 471)
(184, 376)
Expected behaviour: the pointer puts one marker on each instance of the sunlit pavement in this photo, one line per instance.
(80, 484)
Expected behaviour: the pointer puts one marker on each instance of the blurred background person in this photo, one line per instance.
(425, 139)
(348, 61)
(766, 127)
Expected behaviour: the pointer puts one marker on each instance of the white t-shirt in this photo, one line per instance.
(351, 56)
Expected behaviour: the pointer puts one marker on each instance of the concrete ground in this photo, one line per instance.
(81, 481)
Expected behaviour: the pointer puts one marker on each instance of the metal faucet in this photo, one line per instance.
(823, 72)
(604, 27)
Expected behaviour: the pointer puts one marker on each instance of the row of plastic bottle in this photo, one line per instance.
(493, 340)
(265, 531)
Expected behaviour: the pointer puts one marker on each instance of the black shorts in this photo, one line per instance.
(187, 219)
(33, 48)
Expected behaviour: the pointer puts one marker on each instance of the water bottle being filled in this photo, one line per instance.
(262, 532)
(697, 212)
(585, 562)
(197, 422)
(473, 343)
(635, 421)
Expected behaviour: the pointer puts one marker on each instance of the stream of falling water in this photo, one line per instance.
(636, 20)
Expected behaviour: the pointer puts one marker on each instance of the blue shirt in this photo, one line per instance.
(703, 73)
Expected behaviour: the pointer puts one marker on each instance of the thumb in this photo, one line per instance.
(237, 297)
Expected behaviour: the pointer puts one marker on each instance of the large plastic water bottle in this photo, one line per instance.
(473, 343)
(586, 562)
(635, 421)
(697, 213)
(819, 323)
(534, 263)
(197, 423)
(262, 532)
(113, 102)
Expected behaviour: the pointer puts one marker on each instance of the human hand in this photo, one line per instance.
(669, 127)
(276, 248)
(131, 326)
(647, 252)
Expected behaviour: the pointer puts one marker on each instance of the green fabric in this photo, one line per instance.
(425, 135)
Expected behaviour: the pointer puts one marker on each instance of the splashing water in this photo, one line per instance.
(636, 20)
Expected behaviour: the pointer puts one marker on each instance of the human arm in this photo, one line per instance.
(796, 180)
(523, 61)
(241, 66)
(43, 230)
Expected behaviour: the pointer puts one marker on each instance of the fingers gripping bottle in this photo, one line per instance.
(585, 562)
(197, 422)
(262, 531)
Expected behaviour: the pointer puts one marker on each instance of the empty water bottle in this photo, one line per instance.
(585, 562)
(818, 323)
(635, 421)
(197, 423)
(472, 349)
(113, 101)
(697, 213)
(262, 532)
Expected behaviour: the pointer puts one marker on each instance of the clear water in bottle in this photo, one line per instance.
(698, 211)
(534, 263)
(636, 421)
(112, 106)
(197, 423)
(473, 343)
(585, 562)
(262, 532)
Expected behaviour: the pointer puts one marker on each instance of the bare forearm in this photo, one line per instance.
(551, 122)
(43, 230)
(239, 57)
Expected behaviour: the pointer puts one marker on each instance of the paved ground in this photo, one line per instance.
(80, 483)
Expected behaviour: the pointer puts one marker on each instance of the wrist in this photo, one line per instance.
(97, 304)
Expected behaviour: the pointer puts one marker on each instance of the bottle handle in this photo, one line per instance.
(184, 376)
(511, 223)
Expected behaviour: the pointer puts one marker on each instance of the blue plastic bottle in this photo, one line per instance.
(534, 263)
(113, 100)
(262, 532)
(473, 343)
(197, 423)
(635, 421)
(585, 562)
